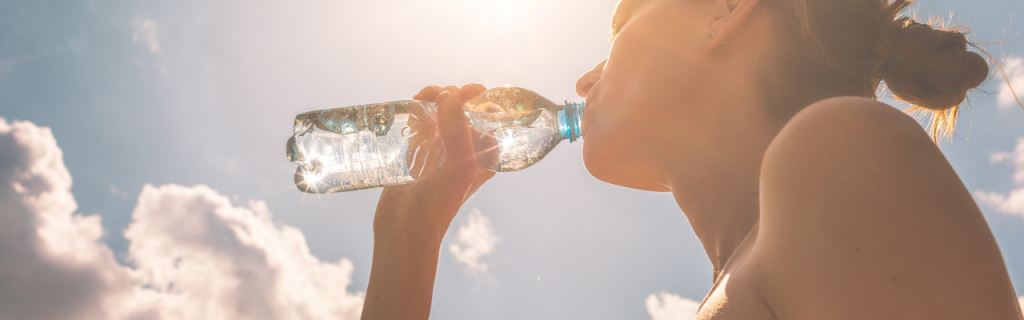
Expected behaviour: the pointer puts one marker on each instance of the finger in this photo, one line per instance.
(472, 90)
(453, 92)
(459, 166)
(428, 93)
(486, 147)
(486, 156)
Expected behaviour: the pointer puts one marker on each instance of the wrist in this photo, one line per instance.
(409, 235)
(422, 227)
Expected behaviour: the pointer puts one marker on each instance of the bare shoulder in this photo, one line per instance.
(859, 139)
(852, 120)
(852, 133)
(863, 217)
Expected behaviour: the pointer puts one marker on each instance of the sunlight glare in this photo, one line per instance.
(505, 15)
(508, 142)
(505, 21)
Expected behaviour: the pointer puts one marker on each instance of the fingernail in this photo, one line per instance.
(442, 110)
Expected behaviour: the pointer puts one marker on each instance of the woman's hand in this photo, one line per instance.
(412, 219)
(429, 205)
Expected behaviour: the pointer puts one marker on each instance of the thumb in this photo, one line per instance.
(458, 169)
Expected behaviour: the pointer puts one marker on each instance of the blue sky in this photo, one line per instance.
(203, 92)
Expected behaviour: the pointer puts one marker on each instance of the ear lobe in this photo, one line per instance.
(729, 20)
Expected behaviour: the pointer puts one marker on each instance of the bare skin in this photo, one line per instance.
(412, 219)
(847, 211)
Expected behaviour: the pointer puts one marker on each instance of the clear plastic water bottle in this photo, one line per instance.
(391, 143)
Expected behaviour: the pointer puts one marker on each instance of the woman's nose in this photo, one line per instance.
(588, 79)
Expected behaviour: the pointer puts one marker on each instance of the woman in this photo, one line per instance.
(812, 199)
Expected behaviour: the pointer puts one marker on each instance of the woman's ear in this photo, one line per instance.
(728, 16)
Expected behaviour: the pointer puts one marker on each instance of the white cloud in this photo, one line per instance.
(1016, 158)
(667, 306)
(145, 34)
(54, 264)
(114, 191)
(1021, 301)
(197, 256)
(194, 255)
(1011, 203)
(475, 239)
(1014, 67)
(1001, 156)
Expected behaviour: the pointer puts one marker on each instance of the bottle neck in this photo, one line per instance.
(569, 119)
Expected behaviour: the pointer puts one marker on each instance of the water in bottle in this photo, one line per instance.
(393, 143)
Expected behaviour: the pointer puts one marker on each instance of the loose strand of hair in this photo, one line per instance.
(1002, 72)
(943, 122)
(809, 35)
(939, 123)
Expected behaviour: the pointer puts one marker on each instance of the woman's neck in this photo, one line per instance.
(722, 207)
(717, 187)
(714, 168)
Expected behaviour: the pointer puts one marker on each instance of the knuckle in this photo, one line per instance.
(428, 93)
(443, 96)
(427, 89)
(472, 90)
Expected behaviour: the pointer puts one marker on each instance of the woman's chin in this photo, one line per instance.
(611, 167)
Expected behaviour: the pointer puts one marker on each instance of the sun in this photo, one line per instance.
(506, 15)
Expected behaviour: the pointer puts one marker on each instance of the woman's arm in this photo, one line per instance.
(412, 219)
(402, 276)
(863, 218)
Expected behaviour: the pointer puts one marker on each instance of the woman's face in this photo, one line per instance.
(643, 102)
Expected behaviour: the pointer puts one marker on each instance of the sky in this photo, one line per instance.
(143, 143)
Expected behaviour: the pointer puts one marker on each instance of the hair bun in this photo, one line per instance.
(930, 68)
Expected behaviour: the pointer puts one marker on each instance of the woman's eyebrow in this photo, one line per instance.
(617, 22)
(621, 15)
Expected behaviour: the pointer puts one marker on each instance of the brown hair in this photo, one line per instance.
(829, 48)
